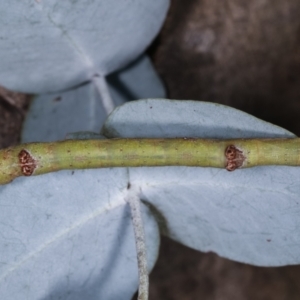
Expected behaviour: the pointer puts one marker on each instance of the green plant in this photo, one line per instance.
(69, 234)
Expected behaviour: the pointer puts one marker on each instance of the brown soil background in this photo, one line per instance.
(245, 54)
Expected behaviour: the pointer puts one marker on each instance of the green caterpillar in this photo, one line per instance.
(39, 158)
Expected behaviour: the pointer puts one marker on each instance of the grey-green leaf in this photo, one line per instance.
(249, 215)
(52, 116)
(52, 45)
(68, 235)
(58, 230)
(171, 118)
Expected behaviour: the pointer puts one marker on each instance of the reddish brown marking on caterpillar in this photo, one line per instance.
(27, 163)
(235, 158)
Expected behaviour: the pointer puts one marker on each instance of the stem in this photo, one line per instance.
(140, 243)
(40, 158)
(102, 88)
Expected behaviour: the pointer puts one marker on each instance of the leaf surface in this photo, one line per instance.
(52, 116)
(68, 234)
(71, 238)
(249, 215)
(48, 46)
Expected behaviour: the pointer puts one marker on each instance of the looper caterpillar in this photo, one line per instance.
(40, 158)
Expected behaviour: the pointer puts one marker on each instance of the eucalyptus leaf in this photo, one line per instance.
(68, 235)
(249, 215)
(161, 118)
(48, 46)
(52, 116)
